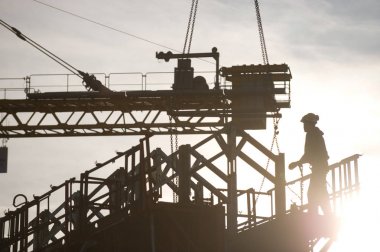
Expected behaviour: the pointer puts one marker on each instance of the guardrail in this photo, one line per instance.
(343, 182)
(128, 81)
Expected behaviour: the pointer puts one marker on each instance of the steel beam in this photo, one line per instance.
(124, 113)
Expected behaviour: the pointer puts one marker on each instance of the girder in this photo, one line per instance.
(125, 113)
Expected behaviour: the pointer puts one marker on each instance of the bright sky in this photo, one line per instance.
(332, 48)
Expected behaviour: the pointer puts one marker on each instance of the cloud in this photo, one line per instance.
(334, 30)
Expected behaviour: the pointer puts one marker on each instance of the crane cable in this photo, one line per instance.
(40, 48)
(275, 119)
(261, 34)
(89, 81)
(190, 26)
(266, 62)
(114, 29)
(187, 45)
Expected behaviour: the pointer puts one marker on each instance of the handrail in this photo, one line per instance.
(65, 82)
(343, 177)
(91, 198)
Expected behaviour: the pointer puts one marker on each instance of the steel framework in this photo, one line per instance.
(257, 92)
(121, 113)
(128, 191)
(136, 180)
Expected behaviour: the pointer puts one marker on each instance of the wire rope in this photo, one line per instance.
(113, 29)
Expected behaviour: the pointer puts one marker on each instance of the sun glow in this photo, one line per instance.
(359, 224)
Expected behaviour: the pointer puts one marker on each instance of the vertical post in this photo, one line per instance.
(333, 185)
(232, 206)
(216, 56)
(37, 230)
(184, 174)
(148, 167)
(253, 195)
(82, 204)
(22, 230)
(67, 208)
(340, 185)
(12, 233)
(142, 180)
(249, 212)
(357, 182)
(3, 159)
(134, 182)
(2, 228)
(17, 231)
(67, 83)
(280, 196)
(157, 173)
(199, 193)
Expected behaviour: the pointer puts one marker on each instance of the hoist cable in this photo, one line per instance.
(192, 26)
(188, 25)
(89, 81)
(106, 26)
(114, 29)
(274, 139)
(266, 62)
(261, 34)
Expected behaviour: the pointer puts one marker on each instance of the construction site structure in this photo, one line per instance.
(120, 204)
(122, 211)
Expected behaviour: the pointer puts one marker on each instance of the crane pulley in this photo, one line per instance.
(89, 81)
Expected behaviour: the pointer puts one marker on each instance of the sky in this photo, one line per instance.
(331, 48)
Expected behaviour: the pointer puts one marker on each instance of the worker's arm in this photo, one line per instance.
(294, 165)
(298, 163)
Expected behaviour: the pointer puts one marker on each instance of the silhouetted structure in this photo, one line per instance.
(120, 205)
(122, 211)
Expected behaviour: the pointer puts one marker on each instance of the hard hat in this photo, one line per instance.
(311, 117)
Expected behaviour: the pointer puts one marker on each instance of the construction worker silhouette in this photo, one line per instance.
(316, 155)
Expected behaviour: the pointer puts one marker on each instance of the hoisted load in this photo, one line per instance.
(267, 83)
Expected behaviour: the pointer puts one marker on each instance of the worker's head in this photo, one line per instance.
(309, 121)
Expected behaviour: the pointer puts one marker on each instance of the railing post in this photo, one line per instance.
(333, 188)
(142, 178)
(83, 203)
(253, 197)
(356, 167)
(232, 207)
(184, 174)
(67, 208)
(249, 212)
(280, 196)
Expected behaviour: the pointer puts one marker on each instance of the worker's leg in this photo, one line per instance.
(312, 197)
(324, 200)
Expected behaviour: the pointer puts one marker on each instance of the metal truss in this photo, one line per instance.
(125, 113)
(139, 178)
